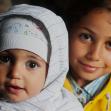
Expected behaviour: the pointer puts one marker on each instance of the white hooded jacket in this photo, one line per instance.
(53, 97)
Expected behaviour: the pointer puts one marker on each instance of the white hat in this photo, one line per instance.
(21, 33)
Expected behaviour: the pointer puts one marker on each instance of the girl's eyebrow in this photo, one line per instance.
(91, 31)
(85, 28)
(109, 38)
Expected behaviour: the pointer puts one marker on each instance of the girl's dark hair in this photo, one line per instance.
(77, 9)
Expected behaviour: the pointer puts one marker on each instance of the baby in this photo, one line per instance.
(33, 61)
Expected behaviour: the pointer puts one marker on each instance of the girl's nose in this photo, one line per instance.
(94, 52)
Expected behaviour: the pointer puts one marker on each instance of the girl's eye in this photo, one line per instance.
(5, 58)
(31, 64)
(86, 37)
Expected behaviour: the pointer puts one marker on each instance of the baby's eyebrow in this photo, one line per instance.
(3, 52)
(34, 57)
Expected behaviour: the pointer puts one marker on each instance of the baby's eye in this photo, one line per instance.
(86, 37)
(108, 45)
(31, 64)
(5, 59)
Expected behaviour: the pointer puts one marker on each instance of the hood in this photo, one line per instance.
(58, 38)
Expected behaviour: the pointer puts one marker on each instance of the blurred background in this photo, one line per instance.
(58, 6)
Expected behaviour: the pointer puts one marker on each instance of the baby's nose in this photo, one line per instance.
(15, 72)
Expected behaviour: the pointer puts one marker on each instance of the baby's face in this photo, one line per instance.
(22, 74)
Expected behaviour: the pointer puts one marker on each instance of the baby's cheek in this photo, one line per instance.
(2, 78)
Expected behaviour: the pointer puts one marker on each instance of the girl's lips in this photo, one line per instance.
(89, 68)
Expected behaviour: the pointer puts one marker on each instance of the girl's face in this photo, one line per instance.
(90, 47)
(22, 74)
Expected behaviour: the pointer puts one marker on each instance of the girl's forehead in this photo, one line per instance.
(97, 16)
(96, 22)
